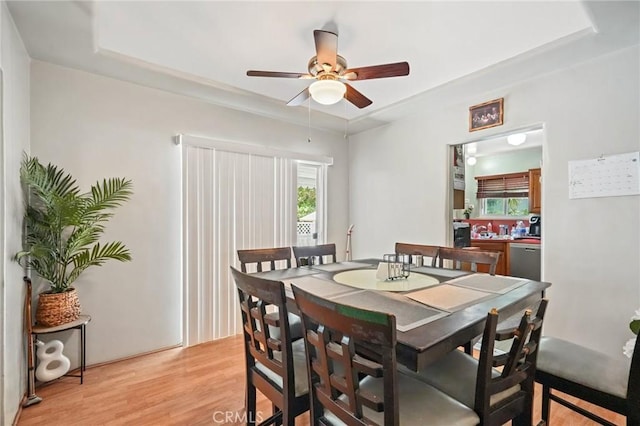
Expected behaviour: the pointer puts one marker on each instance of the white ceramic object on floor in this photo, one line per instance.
(52, 362)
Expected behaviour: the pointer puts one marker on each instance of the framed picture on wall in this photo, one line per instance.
(485, 115)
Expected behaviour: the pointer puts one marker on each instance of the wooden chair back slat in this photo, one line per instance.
(256, 295)
(260, 256)
(318, 252)
(420, 249)
(333, 332)
(474, 257)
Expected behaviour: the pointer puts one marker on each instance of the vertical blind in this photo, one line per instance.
(511, 185)
(231, 201)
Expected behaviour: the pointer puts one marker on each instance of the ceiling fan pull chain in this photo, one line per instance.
(346, 121)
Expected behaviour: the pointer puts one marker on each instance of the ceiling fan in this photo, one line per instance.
(331, 73)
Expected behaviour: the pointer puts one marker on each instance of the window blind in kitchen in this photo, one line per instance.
(510, 185)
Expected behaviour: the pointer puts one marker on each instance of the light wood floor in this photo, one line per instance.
(193, 386)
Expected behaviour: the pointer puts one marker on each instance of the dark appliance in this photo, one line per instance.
(461, 234)
(524, 260)
(535, 226)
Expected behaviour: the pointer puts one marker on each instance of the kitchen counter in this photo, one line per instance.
(504, 240)
(525, 241)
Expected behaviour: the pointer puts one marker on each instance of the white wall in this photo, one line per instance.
(96, 127)
(15, 140)
(504, 162)
(398, 180)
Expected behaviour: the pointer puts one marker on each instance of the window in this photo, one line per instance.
(504, 207)
(504, 195)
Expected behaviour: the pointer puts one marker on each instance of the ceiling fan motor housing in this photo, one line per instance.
(318, 70)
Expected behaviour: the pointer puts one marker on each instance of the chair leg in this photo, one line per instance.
(523, 419)
(546, 394)
(251, 405)
(468, 347)
(288, 419)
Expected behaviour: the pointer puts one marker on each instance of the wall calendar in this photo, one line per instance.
(606, 176)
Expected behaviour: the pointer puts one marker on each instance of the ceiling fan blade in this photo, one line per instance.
(299, 98)
(252, 73)
(357, 98)
(326, 47)
(377, 71)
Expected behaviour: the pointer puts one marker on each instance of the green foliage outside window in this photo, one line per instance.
(505, 207)
(494, 207)
(306, 201)
(518, 206)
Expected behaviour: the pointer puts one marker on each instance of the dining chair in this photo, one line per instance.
(351, 360)
(271, 256)
(590, 376)
(497, 396)
(274, 363)
(259, 256)
(474, 257)
(418, 249)
(322, 252)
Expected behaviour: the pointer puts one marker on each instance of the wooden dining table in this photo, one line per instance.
(432, 329)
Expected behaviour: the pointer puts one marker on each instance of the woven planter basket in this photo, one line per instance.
(57, 308)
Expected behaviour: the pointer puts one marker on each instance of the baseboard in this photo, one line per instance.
(19, 412)
(166, 348)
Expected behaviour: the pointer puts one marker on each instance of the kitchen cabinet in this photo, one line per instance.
(502, 268)
(458, 199)
(535, 182)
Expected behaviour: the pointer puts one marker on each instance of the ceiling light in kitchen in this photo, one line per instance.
(516, 139)
(472, 148)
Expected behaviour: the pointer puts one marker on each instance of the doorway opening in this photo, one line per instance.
(310, 205)
(495, 191)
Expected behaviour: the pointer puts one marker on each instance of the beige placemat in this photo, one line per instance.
(491, 283)
(282, 274)
(340, 266)
(366, 279)
(318, 286)
(443, 272)
(408, 313)
(449, 297)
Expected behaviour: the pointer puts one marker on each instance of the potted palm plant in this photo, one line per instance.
(62, 229)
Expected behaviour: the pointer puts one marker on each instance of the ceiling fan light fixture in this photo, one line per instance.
(327, 92)
(516, 139)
